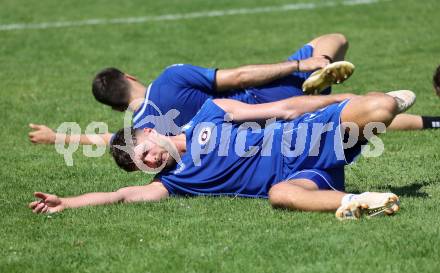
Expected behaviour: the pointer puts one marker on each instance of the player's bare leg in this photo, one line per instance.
(406, 122)
(372, 107)
(376, 107)
(303, 194)
(379, 111)
(334, 47)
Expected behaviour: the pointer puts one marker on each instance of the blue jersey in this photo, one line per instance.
(179, 92)
(226, 158)
(176, 95)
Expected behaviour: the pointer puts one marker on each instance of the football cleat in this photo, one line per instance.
(333, 73)
(369, 204)
(405, 99)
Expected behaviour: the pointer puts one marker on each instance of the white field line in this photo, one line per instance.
(184, 16)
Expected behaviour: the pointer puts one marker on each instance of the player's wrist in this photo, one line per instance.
(297, 65)
(52, 138)
(64, 204)
(58, 138)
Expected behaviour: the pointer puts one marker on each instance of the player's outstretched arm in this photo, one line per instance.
(285, 109)
(41, 134)
(50, 203)
(256, 75)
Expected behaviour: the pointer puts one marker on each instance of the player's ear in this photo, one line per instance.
(148, 131)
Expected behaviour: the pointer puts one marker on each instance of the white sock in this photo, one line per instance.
(351, 197)
(347, 199)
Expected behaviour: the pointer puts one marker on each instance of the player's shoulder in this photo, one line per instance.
(211, 108)
(175, 68)
(208, 113)
(171, 73)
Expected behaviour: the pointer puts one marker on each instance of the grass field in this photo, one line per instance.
(45, 77)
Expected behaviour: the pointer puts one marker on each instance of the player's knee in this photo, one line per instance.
(282, 195)
(379, 105)
(333, 38)
(373, 93)
(277, 195)
(341, 39)
(387, 104)
(123, 195)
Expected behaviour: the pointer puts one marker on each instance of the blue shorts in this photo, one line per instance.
(286, 87)
(330, 179)
(323, 156)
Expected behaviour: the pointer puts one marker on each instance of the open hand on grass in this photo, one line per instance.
(41, 134)
(49, 203)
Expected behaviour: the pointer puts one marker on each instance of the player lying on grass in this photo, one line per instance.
(221, 153)
(185, 88)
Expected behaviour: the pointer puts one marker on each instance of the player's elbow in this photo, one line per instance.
(242, 79)
(123, 195)
(291, 114)
(237, 78)
(288, 112)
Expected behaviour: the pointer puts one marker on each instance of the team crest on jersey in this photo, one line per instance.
(204, 135)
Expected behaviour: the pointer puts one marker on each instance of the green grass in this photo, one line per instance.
(45, 78)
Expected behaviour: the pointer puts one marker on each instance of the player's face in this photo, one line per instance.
(150, 150)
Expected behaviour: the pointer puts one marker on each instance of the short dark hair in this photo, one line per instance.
(111, 88)
(121, 150)
(436, 79)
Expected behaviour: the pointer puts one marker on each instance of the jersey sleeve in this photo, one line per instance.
(166, 183)
(191, 76)
(330, 179)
